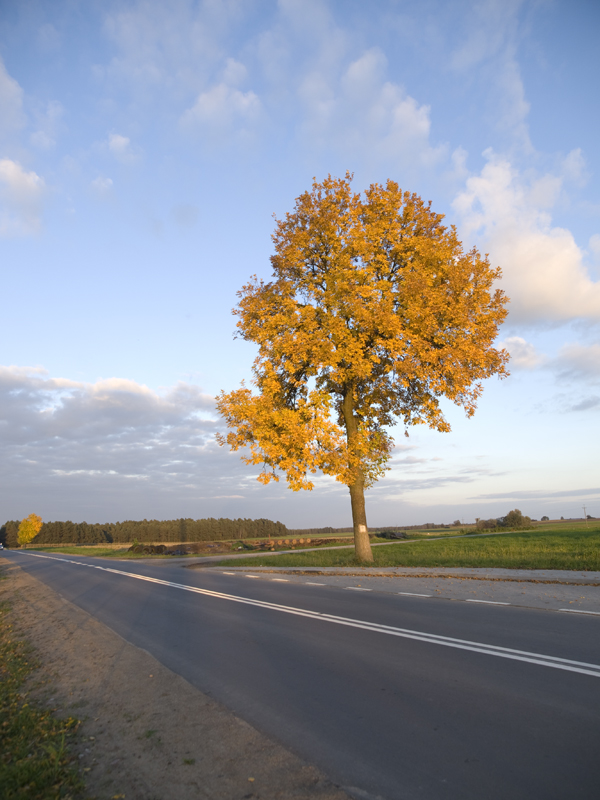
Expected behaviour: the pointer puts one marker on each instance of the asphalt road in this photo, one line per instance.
(391, 696)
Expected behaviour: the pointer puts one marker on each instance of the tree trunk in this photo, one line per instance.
(362, 545)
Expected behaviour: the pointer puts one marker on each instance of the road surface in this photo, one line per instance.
(391, 696)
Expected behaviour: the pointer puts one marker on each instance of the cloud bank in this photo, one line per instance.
(544, 271)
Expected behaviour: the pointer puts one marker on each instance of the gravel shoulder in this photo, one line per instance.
(146, 733)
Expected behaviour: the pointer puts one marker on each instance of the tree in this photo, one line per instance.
(374, 312)
(545, 519)
(515, 519)
(29, 528)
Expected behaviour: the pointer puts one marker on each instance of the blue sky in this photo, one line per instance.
(145, 146)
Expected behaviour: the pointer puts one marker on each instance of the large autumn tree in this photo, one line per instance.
(373, 313)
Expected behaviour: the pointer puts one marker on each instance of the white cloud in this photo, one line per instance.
(578, 361)
(120, 147)
(172, 46)
(47, 124)
(101, 186)
(67, 437)
(523, 354)
(49, 39)
(574, 167)
(544, 271)
(362, 112)
(489, 51)
(90, 421)
(223, 109)
(12, 118)
(234, 73)
(490, 26)
(21, 195)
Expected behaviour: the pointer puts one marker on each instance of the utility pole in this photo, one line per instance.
(585, 515)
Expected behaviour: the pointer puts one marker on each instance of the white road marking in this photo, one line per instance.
(252, 576)
(489, 602)
(230, 573)
(280, 580)
(539, 659)
(414, 594)
(310, 583)
(357, 589)
(579, 611)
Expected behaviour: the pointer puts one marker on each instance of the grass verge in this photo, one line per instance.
(90, 550)
(572, 549)
(34, 761)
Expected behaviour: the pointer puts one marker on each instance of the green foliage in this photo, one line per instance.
(574, 548)
(34, 759)
(514, 519)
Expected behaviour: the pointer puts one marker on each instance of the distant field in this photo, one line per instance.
(572, 547)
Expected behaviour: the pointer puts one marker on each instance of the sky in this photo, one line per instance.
(144, 149)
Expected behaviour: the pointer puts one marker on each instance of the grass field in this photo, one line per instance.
(34, 760)
(573, 548)
(93, 550)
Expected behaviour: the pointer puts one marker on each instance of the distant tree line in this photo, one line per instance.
(175, 530)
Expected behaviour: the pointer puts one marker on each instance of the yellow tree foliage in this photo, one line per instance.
(29, 529)
(374, 312)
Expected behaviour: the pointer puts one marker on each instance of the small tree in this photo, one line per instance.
(515, 519)
(374, 312)
(29, 529)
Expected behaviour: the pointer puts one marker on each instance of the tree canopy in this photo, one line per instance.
(29, 528)
(374, 312)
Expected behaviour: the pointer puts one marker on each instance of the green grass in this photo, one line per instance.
(98, 552)
(572, 548)
(34, 760)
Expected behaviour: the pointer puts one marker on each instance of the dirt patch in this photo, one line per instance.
(146, 733)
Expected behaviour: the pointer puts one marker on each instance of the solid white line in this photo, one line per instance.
(414, 594)
(489, 602)
(540, 659)
(579, 611)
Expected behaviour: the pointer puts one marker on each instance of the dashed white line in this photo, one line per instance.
(482, 648)
(358, 589)
(252, 576)
(579, 611)
(311, 583)
(280, 580)
(229, 573)
(489, 602)
(415, 594)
